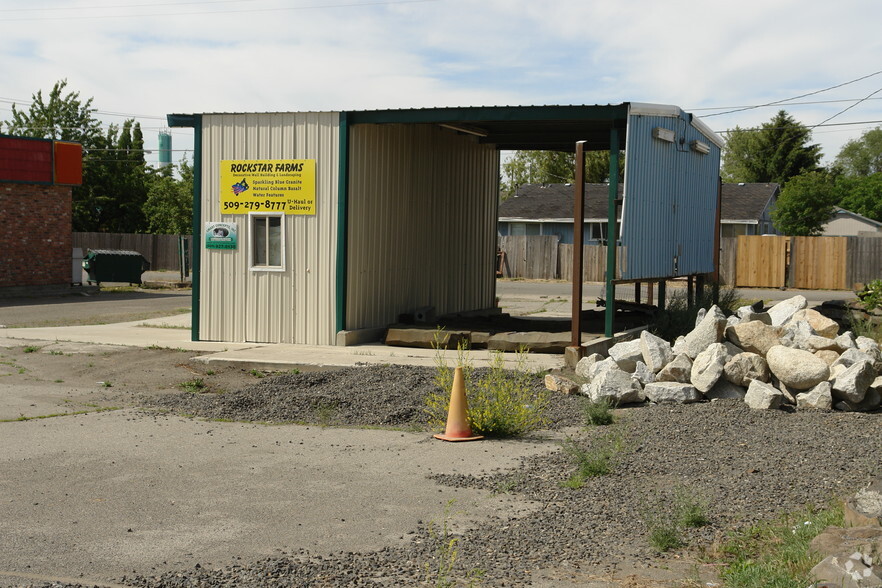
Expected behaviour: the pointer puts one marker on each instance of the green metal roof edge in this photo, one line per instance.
(183, 120)
(490, 113)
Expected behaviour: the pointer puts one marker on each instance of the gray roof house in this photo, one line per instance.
(547, 209)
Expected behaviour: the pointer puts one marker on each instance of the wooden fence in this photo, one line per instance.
(160, 250)
(815, 263)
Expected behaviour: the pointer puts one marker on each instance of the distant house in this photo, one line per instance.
(850, 224)
(547, 209)
(747, 209)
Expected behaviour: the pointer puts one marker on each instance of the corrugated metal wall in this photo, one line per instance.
(295, 305)
(670, 200)
(422, 222)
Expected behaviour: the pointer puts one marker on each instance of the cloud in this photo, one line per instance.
(156, 60)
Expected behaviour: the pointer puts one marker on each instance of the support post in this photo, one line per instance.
(637, 292)
(690, 298)
(578, 231)
(661, 295)
(716, 274)
(611, 231)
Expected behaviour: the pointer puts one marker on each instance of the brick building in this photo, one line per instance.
(36, 180)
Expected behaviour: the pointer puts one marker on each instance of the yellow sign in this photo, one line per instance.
(267, 185)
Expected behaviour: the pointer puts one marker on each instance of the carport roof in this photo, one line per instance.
(553, 128)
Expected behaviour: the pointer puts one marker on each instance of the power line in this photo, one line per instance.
(808, 102)
(845, 109)
(863, 122)
(778, 102)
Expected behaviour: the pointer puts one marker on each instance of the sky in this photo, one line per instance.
(814, 58)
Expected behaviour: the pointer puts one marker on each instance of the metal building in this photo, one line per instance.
(323, 228)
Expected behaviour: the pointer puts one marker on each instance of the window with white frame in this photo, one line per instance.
(267, 242)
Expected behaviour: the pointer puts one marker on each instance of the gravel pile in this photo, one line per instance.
(744, 465)
(377, 395)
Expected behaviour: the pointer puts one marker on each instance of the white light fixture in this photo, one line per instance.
(700, 147)
(664, 134)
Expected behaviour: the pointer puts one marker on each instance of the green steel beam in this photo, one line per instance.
(194, 121)
(611, 240)
(342, 220)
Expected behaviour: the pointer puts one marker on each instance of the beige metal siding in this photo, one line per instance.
(846, 226)
(297, 304)
(422, 222)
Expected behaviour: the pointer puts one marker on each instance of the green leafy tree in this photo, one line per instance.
(776, 152)
(552, 167)
(60, 117)
(806, 204)
(862, 157)
(169, 206)
(115, 174)
(861, 194)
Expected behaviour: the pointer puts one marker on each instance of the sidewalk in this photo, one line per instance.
(174, 332)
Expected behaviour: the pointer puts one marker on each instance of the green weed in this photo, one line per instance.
(257, 373)
(678, 318)
(776, 554)
(864, 327)
(671, 514)
(30, 348)
(591, 462)
(441, 571)
(324, 411)
(501, 402)
(193, 386)
(598, 414)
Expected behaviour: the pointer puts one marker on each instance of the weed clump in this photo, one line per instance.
(678, 317)
(502, 402)
(598, 414)
(590, 462)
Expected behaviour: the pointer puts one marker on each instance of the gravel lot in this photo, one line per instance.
(745, 465)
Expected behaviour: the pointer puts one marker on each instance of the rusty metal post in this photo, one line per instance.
(578, 230)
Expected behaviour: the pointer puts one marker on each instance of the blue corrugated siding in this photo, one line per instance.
(670, 200)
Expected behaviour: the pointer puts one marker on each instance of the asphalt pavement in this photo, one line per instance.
(93, 497)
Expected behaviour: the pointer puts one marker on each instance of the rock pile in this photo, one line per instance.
(787, 355)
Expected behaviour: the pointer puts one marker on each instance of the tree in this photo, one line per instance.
(115, 174)
(63, 118)
(806, 204)
(169, 206)
(776, 152)
(862, 157)
(861, 194)
(552, 167)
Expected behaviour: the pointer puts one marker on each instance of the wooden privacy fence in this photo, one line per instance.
(160, 250)
(815, 263)
(545, 258)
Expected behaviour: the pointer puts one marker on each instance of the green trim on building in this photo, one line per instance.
(342, 220)
(194, 121)
(490, 113)
(611, 232)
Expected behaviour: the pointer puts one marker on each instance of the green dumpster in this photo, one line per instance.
(108, 265)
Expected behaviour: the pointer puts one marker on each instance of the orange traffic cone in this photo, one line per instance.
(457, 416)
